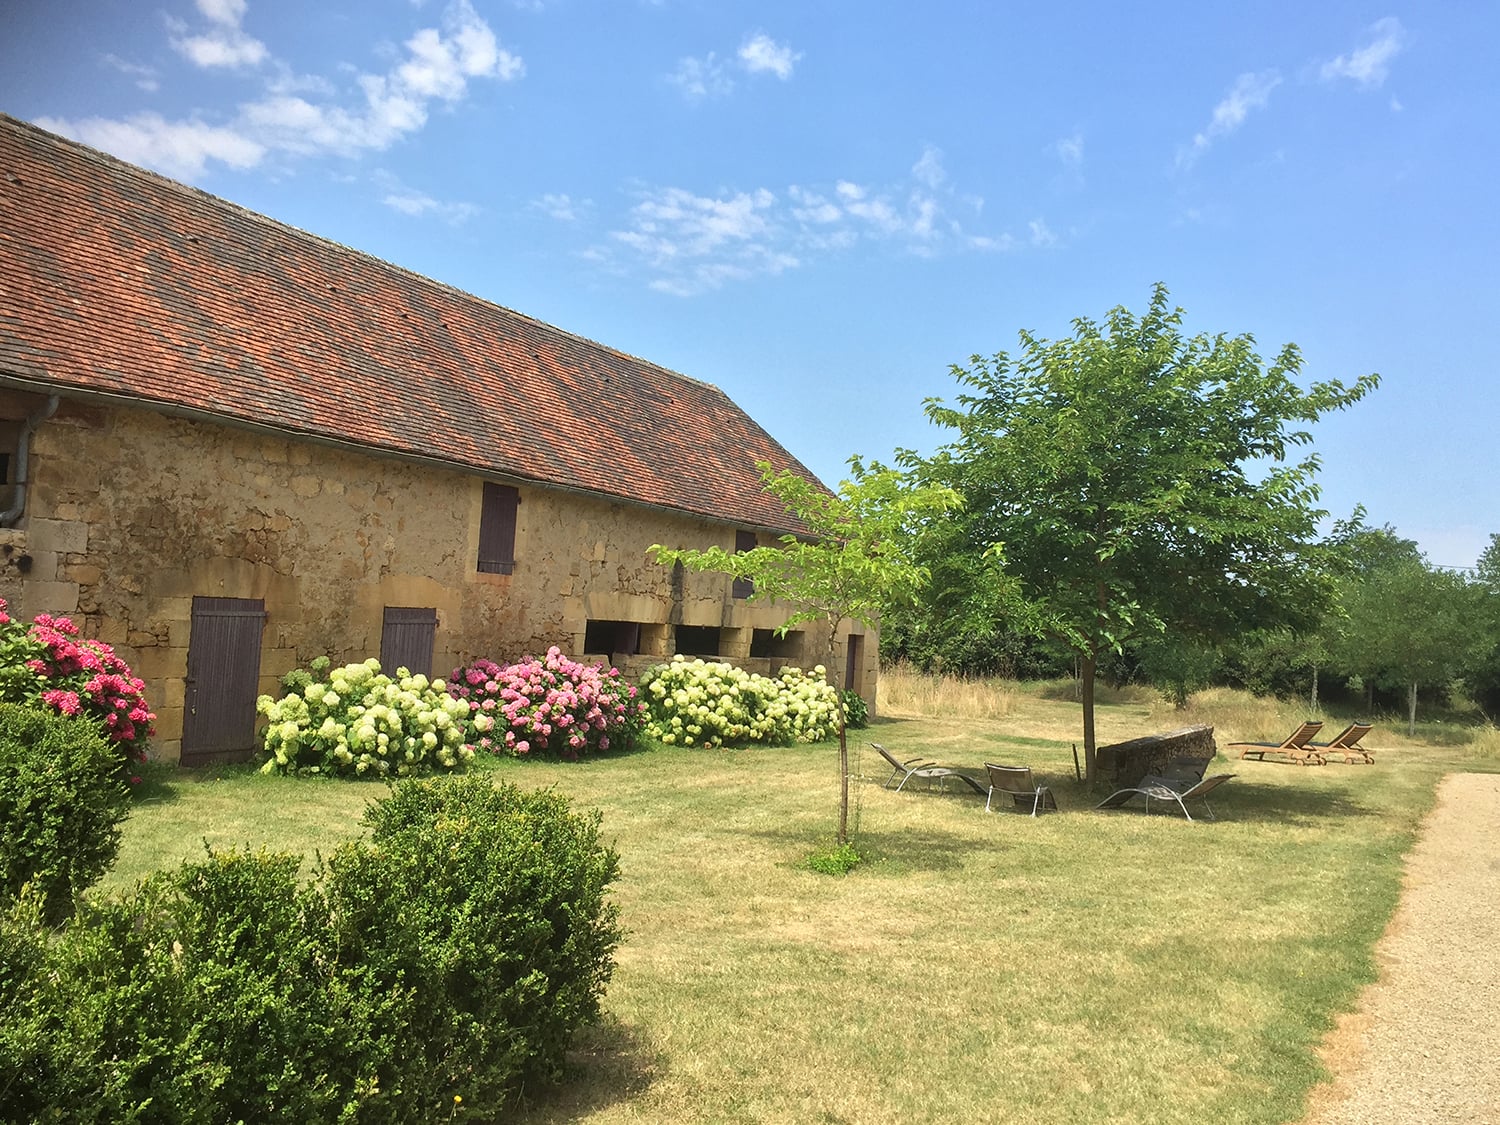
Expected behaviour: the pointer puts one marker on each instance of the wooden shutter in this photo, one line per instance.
(406, 639)
(497, 528)
(743, 587)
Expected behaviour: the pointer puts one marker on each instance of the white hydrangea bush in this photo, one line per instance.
(709, 703)
(363, 723)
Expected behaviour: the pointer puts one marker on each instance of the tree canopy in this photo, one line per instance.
(1140, 481)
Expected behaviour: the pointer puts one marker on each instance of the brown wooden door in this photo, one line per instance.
(223, 679)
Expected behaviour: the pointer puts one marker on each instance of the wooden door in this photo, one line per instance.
(223, 679)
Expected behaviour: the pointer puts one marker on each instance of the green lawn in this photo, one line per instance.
(1083, 966)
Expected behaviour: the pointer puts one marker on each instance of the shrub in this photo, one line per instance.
(838, 860)
(856, 710)
(553, 706)
(362, 723)
(709, 703)
(61, 803)
(489, 905)
(452, 954)
(47, 663)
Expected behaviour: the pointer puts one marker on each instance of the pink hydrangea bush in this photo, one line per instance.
(48, 663)
(553, 706)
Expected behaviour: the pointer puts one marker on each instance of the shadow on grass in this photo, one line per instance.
(1243, 800)
(608, 1063)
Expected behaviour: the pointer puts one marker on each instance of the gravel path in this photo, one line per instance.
(1421, 1046)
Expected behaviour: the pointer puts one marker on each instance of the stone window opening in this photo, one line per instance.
(765, 644)
(612, 638)
(743, 587)
(698, 640)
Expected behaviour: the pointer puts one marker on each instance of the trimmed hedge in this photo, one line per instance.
(61, 804)
(453, 954)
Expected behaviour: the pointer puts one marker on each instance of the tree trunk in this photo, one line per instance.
(1086, 682)
(1315, 690)
(1411, 711)
(838, 689)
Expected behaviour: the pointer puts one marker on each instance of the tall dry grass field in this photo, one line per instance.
(1083, 966)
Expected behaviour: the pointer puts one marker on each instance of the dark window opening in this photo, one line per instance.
(4, 468)
(698, 640)
(612, 638)
(764, 643)
(743, 587)
(406, 639)
(497, 528)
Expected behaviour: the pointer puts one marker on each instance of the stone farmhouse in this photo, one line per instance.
(228, 446)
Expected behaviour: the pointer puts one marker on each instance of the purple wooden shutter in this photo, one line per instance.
(743, 587)
(406, 639)
(497, 528)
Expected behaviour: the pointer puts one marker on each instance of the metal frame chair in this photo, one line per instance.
(1167, 789)
(1017, 782)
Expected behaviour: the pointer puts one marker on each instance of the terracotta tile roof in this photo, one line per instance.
(116, 280)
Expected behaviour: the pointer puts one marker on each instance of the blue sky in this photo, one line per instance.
(820, 205)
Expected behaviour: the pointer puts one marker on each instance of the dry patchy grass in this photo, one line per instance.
(1078, 967)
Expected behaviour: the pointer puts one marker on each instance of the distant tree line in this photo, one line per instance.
(1397, 633)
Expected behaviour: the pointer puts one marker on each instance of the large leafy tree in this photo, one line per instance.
(1141, 481)
(854, 554)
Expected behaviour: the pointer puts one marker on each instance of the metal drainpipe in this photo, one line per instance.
(23, 457)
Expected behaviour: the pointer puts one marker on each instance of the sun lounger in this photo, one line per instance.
(1294, 747)
(1346, 743)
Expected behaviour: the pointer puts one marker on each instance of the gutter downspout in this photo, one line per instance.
(23, 458)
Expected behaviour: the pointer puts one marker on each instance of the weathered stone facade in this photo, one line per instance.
(131, 514)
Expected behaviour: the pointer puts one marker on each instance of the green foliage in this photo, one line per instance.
(1406, 625)
(1177, 666)
(1481, 670)
(454, 953)
(856, 710)
(1140, 481)
(838, 860)
(490, 905)
(61, 804)
(361, 723)
(854, 554)
(297, 679)
(709, 703)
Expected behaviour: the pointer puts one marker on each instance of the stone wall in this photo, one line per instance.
(1125, 763)
(131, 514)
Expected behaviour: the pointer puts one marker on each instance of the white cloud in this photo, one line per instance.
(178, 148)
(224, 43)
(929, 169)
(1369, 64)
(562, 207)
(1249, 92)
(306, 115)
(710, 77)
(686, 243)
(761, 54)
(145, 77)
(701, 78)
(419, 204)
(1069, 150)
